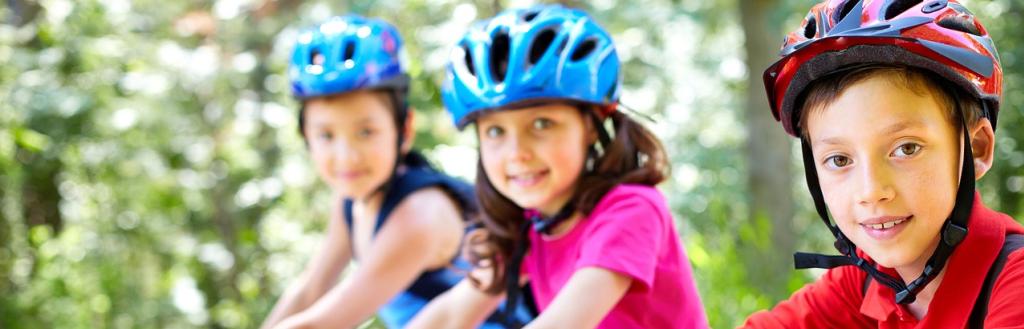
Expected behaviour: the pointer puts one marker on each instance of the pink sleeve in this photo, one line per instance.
(625, 237)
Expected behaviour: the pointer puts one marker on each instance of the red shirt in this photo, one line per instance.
(836, 300)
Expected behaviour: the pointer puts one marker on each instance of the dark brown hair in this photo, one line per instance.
(634, 156)
(826, 90)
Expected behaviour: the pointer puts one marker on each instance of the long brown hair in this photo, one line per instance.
(634, 156)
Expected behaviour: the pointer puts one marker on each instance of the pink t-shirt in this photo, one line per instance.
(630, 231)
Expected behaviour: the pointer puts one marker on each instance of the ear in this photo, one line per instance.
(409, 130)
(983, 142)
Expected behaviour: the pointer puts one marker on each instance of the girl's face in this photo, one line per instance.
(534, 155)
(352, 139)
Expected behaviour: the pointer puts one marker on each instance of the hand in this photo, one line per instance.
(292, 322)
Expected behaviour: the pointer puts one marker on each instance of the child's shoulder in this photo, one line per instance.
(1003, 305)
(633, 192)
(632, 196)
(627, 191)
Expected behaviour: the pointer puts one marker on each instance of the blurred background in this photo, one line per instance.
(152, 176)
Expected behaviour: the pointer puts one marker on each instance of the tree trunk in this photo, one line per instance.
(768, 153)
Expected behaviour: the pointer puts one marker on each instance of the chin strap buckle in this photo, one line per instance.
(953, 234)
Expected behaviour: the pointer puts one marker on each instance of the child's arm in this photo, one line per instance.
(462, 306)
(321, 272)
(585, 300)
(831, 302)
(406, 246)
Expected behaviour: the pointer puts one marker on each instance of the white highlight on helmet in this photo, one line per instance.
(333, 27)
(458, 55)
(363, 32)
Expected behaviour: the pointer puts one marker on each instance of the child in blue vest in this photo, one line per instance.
(399, 217)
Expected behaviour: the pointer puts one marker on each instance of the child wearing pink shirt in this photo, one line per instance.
(631, 232)
(569, 205)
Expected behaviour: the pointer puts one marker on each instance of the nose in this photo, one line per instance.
(875, 183)
(344, 152)
(518, 148)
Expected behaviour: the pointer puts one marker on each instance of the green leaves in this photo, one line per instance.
(29, 139)
(149, 158)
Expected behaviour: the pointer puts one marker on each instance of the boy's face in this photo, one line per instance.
(888, 160)
(534, 155)
(353, 141)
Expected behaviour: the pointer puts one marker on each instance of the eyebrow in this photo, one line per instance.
(891, 129)
(363, 121)
(901, 126)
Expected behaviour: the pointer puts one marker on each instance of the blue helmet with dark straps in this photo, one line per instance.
(540, 53)
(346, 53)
(522, 57)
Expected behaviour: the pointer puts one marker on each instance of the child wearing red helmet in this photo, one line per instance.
(895, 103)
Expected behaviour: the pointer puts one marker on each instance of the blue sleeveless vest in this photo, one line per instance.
(402, 308)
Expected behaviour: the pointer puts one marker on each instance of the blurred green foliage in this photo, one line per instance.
(151, 175)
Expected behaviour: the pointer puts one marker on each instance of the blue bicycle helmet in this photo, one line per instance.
(346, 53)
(544, 52)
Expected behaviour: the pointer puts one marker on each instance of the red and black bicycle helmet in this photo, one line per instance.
(939, 36)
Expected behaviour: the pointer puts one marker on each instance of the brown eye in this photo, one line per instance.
(907, 149)
(325, 136)
(494, 132)
(837, 161)
(541, 123)
(365, 133)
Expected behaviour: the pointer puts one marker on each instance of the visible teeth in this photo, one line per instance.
(882, 226)
(524, 177)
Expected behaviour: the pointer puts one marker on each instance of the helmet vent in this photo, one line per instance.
(348, 51)
(811, 28)
(964, 24)
(499, 56)
(540, 45)
(845, 10)
(468, 60)
(530, 16)
(584, 49)
(897, 7)
(934, 6)
(316, 58)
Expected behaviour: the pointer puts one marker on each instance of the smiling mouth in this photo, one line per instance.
(349, 175)
(887, 224)
(527, 179)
